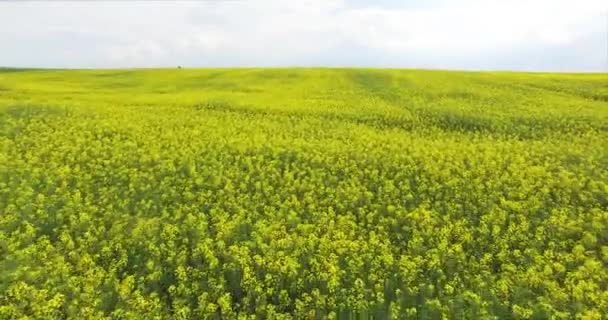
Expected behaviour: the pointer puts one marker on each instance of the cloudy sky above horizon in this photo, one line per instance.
(526, 35)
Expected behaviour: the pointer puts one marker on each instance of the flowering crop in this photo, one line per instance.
(303, 193)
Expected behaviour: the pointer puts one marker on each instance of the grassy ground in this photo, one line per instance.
(323, 193)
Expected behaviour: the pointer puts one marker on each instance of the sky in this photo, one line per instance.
(519, 35)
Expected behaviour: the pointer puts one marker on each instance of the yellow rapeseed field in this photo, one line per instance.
(303, 193)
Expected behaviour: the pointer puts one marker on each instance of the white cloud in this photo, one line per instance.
(272, 32)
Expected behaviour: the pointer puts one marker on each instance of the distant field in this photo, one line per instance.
(303, 193)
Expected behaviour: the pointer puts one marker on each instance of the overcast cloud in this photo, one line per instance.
(551, 35)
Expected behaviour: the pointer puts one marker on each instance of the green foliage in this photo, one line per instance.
(303, 193)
